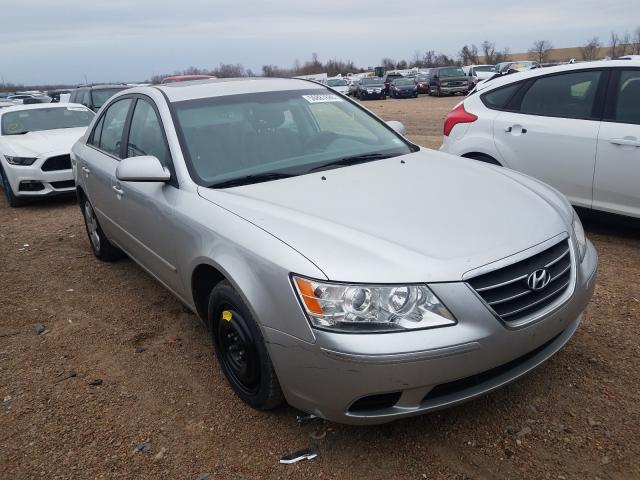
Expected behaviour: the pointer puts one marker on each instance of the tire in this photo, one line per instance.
(8, 191)
(102, 248)
(240, 349)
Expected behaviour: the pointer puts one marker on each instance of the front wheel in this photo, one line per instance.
(8, 191)
(240, 349)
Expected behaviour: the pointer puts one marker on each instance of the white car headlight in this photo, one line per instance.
(581, 238)
(370, 308)
(20, 160)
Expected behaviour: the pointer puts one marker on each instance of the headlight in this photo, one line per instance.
(370, 308)
(581, 238)
(20, 160)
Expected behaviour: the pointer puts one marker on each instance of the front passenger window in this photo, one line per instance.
(570, 95)
(628, 103)
(113, 127)
(145, 134)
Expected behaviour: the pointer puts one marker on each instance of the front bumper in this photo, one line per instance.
(406, 93)
(25, 178)
(464, 361)
(377, 95)
(456, 89)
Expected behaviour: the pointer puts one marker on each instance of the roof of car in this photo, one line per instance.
(195, 89)
(37, 106)
(514, 77)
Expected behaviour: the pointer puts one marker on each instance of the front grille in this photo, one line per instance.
(61, 162)
(507, 292)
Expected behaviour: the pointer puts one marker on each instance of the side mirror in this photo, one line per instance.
(142, 169)
(398, 127)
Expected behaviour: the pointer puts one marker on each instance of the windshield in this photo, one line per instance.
(24, 121)
(403, 81)
(451, 72)
(261, 136)
(483, 68)
(102, 95)
(371, 81)
(338, 82)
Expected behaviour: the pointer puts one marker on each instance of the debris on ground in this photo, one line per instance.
(304, 419)
(143, 447)
(95, 382)
(295, 457)
(40, 328)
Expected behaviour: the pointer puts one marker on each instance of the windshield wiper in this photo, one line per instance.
(249, 179)
(354, 160)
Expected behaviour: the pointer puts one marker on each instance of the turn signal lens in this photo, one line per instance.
(306, 290)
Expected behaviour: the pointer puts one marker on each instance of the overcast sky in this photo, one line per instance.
(45, 41)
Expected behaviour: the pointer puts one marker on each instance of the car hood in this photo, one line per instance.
(37, 143)
(429, 219)
(373, 85)
(405, 87)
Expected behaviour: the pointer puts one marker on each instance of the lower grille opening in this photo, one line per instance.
(61, 162)
(375, 402)
(458, 386)
(30, 186)
(63, 184)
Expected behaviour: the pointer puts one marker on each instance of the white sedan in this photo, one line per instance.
(35, 141)
(575, 127)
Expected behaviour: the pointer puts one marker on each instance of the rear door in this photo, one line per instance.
(549, 130)
(98, 160)
(616, 186)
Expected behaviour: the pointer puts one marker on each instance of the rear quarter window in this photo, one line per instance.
(497, 99)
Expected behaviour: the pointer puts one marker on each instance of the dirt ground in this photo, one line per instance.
(164, 410)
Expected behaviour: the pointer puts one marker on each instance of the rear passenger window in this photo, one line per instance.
(145, 134)
(570, 95)
(628, 103)
(97, 132)
(498, 98)
(113, 127)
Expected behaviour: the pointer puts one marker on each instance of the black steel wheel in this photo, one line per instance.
(240, 349)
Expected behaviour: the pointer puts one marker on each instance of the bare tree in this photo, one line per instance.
(489, 51)
(469, 55)
(625, 45)
(541, 50)
(388, 63)
(635, 44)
(228, 70)
(417, 60)
(590, 50)
(613, 48)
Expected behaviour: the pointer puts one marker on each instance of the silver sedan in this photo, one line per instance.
(337, 265)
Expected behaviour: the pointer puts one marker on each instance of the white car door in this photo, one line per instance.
(616, 186)
(552, 132)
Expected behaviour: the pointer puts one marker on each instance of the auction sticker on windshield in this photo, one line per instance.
(322, 98)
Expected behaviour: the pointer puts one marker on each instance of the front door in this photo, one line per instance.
(551, 133)
(616, 185)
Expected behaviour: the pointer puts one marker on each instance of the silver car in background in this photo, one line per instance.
(338, 266)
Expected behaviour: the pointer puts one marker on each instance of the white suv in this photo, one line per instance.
(575, 127)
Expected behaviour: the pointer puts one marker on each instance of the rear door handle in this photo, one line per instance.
(630, 142)
(117, 189)
(86, 170)
(515, 129)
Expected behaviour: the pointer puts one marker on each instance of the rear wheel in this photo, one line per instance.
(8, 191)
(102, 248)
(240, 349)
(481, 157)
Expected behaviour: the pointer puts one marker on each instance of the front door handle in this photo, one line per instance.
(628, 142)
(86, 170)
(117, 189)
